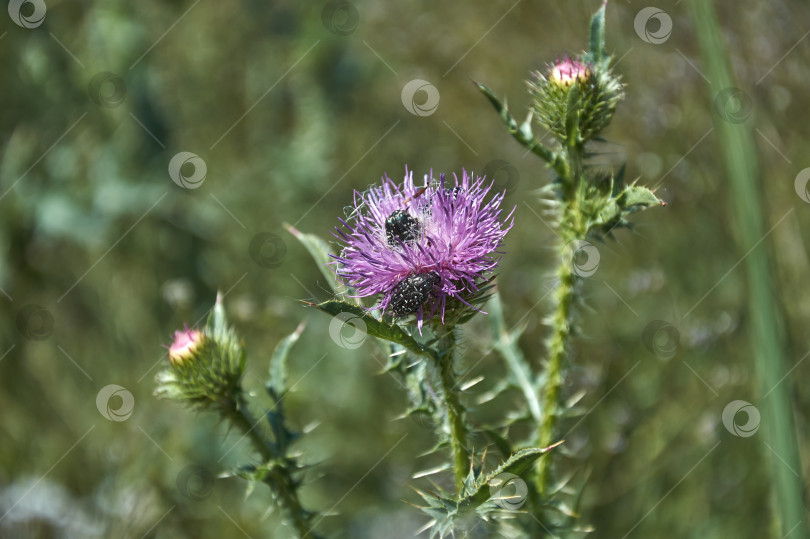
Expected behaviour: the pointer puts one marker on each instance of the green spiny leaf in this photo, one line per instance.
(596, 53)
(522, 134)
(635, 198)
(506, 343)
(374, 327)
(516, 464)
(217, 321)
(277, 380)
(521, 460)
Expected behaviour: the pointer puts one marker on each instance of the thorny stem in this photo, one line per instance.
(455, 410)
(278, 477)
(572, 227)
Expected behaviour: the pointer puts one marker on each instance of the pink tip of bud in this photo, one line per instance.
(567, 71)
(185, 344)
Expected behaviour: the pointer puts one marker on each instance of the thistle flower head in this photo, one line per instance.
(421, 247)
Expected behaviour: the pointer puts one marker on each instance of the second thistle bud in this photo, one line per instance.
(205, 365)
(571, 87)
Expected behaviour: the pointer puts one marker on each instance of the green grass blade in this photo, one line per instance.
(739, 153)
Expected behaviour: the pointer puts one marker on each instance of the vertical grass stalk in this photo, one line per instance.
(739, 152)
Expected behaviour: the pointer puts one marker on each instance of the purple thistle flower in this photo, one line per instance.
(419, 246)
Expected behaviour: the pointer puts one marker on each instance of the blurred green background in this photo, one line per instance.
(291, 106)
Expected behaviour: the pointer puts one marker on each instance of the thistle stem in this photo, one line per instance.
(572, 227)
(455, 410)
(278, 477)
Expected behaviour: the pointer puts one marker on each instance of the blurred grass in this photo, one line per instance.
(738, 147)
(299, 152)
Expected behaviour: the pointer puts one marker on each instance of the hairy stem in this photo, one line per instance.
(572, 227)
(278, 477)
(455, 410)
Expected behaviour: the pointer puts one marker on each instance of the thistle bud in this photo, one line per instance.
(205, 366)
(597, 92)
